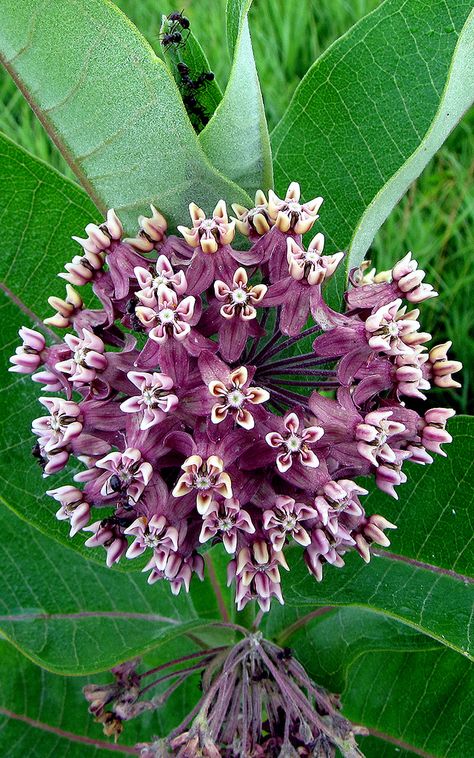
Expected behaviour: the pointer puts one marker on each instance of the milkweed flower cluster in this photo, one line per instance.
(216, 397)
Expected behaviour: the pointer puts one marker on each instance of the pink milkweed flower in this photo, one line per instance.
(151, 533)
(127, 472)
(336, 497)
(255, 221)
(372, 436)
(404, 280)
(87, 358)
(240, 299)
(311, 265)
(295, 442)
(440, 369)
(284, 519)
(27, 356)
(163, 276)
(392, 331)
(300, 292)
(154, 401)
(177, 571)
(433, 429)
(207, 477)
(257, 574)
(288, 214)
(234, 396)
(73, 507)
(226, 519)
(170, 318)
(389, 474)
(372, 531)
(151, 233)
(107, 534)
(209, 233)
(62, 426)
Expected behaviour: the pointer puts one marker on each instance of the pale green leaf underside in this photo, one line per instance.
(111, 106)
(236, 138)
(372, 111)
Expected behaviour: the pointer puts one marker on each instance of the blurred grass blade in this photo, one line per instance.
(192, 55)
(236, 138)
(372, 111)
(111, 106)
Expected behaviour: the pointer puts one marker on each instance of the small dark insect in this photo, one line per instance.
(183, 68)
(179, 19)
(285, 654)
(36, 453)
(130, 307)
(172, 38)
(116, 484)
(137, 325)
(114, 521)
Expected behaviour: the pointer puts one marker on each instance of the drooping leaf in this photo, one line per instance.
(74, 617)
(423, 579)
(236, 138)
(43, 713)
(111, 106)
(408, 690)
(209, 94)
(372, 111)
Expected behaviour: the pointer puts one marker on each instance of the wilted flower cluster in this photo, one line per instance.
(215, 397)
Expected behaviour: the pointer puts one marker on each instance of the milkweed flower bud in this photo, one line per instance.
(202, 404)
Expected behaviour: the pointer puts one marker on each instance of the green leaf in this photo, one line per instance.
(192, 54)
(111, 106)
(372, 111)
(236, 138)
(42, 713)
(423, 579)
(412, 693)
(74, 617)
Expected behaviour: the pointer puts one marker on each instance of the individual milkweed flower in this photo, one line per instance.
(154, 401)
(300, 293)
(87, 360)
(170, 318)
(256, 221)
(73, 508)
(207, 478)
(151, 533)
(226, 519)
(284, 519)
(234, 397)
(108, 535)
(163, 276)
(295, 442)
(404, 280)
(27, 357)
(219, 421)
(125, 472)
(257, 574)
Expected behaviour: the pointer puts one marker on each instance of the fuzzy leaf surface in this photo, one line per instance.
(111, 106)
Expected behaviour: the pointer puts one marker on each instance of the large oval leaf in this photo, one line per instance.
(111, 106)
(372, 111)
(236, 138)
(411, 693)
(74, 617)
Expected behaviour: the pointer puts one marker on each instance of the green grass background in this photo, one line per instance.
(435, 218)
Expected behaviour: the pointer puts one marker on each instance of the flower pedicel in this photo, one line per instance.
(198, 416)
